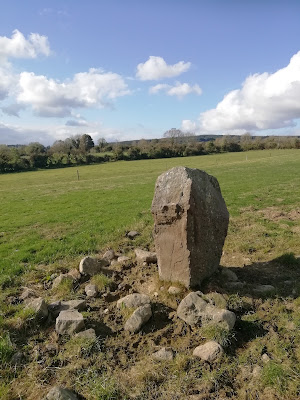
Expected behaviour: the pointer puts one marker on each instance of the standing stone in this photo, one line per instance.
(190, 225)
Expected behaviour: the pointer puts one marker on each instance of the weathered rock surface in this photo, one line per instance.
(91, 290)
(209, 351)
(62, 277)
(134, 300)
(59, 393)
(163, 355)
(263, 289)
(140, 316)
(109, 255)
(27, 294)
(195, 310)
(191, 221)
(148, 257)
(174, 290)
(132, 234)
(92, 266)
(69, 322)
(123, 260)
(229, 275)
(87, 334)
(39, 306)
(57, 306)
(74, 273)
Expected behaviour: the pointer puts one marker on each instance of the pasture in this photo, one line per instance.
(49, 216)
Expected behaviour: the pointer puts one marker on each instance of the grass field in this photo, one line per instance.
(49, 220)
(47, 216)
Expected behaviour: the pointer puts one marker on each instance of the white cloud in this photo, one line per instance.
(12, 109)
(50, 98)
(19, 47)
(179, 89)
(188, 126)
(156, 68)
(265, 101)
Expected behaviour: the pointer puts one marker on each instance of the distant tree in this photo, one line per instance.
(35, 148)
(102, 143)
(85, 143)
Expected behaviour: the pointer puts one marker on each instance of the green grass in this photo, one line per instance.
(49, 215)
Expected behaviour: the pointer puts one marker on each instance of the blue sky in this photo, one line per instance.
(132, 69)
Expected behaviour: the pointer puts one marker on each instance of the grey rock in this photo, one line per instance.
(57, 306)
(195, 310)
(140, 316)
(39, 306)
(69, 322)
(235, 285)
(132, 234)
(123, 260)
(27, 294)
(92, 266)
(190, 225)
(87, 334)
(143, 256)
(263, 289)
(75, 274)
(229, 275)
(134, 300)
(174, 290)
(209, 351)
(62, 277)
(91, 290)
(109, 255)
(59, 393)
(163, 355)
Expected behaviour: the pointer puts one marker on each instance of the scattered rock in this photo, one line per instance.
(54, 308)
(163, 354)
(209, 351)
(62, 277)
(91, 290)
(191, 221)
(229, 275)
(174, 290)
(57, 306)
(263, 289)
(69, 322)
(123, 260)
(74, 273)
(140, 316)
(132, 234)
(87, 334)
(39, 306)
(59, 393)
(256, 371)
(27, 294)
(109, 255)
(134, 300)
(235, 285)
(194, 310)
(143, 256)
(265, 358)
(217, 299)
(92, 266)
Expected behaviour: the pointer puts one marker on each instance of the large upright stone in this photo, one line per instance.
(190, 225)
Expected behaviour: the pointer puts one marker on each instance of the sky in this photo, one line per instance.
(133, 69)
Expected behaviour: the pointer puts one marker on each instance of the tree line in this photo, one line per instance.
(81, 149)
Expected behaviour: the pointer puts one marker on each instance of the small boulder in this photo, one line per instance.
(195, 310)
(263, 289)
(209, 351)
(87, 334)
(59, 393)
(69, 322)
(92, 266)
(109, 255)
(174, 290)
(132, 235)
(134, 300)
(163, 354)
(39, 306)
(140, 316)
(91, 290)
(123, 260)
(75, 274)
(27, 294)
(265, 358)
(79, 305)
(143, 256)
(229, 275)
(62, 277)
